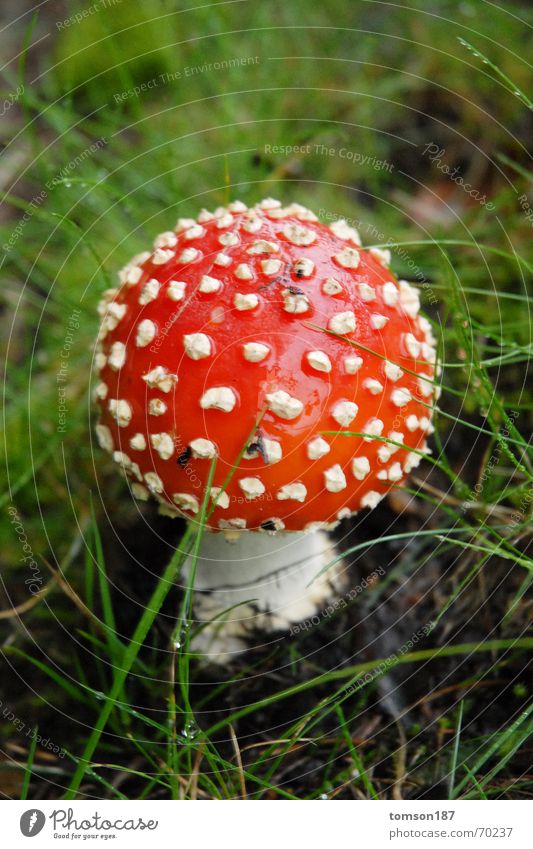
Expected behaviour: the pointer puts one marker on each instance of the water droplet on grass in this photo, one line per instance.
(190, 730)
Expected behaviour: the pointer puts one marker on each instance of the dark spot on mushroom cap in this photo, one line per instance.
(258, 446)
(184, 457)
(268, 525)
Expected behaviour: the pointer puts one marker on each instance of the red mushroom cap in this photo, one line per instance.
(245, 309)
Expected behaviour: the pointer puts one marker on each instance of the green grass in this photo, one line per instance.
(101, 661)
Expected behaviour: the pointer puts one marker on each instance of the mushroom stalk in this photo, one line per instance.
(247, 582)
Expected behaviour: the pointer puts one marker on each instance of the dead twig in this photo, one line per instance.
(238, 758)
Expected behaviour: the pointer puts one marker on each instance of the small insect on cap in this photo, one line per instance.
(264, 315)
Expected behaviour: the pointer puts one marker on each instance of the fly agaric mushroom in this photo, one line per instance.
(264, 315)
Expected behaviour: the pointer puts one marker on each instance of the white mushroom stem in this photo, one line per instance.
(251, 583)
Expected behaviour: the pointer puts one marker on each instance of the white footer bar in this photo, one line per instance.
(276, 824)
